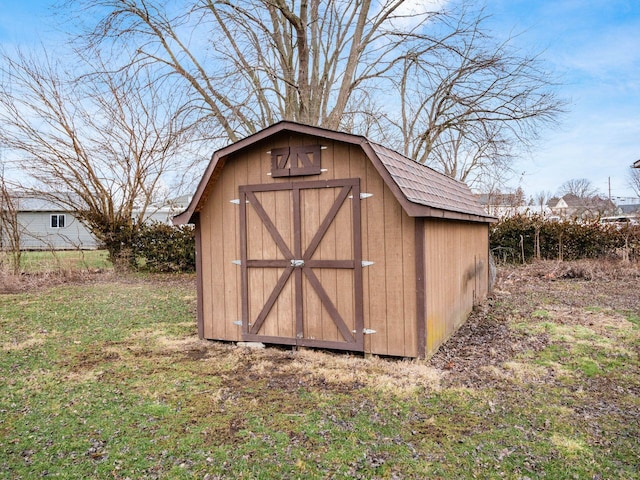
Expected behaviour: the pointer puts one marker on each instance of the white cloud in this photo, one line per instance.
(410, 12)
(418, 7)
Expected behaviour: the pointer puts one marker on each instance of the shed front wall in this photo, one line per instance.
(388, 240)
(457, 275)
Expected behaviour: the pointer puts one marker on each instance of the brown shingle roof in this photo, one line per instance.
(425, 186)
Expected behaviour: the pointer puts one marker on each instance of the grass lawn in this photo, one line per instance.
(65, 260)
(106, 379)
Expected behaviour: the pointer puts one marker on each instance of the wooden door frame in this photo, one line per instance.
(354, 340)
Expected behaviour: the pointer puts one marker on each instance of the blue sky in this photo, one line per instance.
(592, 45)
(24, 22)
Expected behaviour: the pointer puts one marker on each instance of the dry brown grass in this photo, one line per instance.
(588, 269)
(31, 341)
(29, 282)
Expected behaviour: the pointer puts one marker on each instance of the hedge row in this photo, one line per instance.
(523, 238)
(158, 247)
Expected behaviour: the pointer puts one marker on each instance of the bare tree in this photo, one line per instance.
(541, 198)
(10, 228)
(470, 102)
(476, 161)
(100, 145)
(580, 187)
(431, 83)
(634, 178)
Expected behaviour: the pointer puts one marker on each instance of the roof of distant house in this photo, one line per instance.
(25, 203)
(630, 208)
(574, 201)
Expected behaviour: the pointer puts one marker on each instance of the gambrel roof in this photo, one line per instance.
(420, 190)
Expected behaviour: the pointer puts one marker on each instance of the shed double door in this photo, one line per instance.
(301, 260)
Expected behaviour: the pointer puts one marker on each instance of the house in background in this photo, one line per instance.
(630, 209)
(45, 225)
(508, 204)
(571, 207)
(502, 204)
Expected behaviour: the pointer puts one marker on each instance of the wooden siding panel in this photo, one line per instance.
(344, 241)
(206, 262)
(256, 283)
(421, 287)
(342, 237)
(375, 298)
(393, 271)
(220, 247)
(436, 286)
(360, 167)
(311, 218)
(212, 221)
(327, 250)
(257, 287)
(455, 257)
(231, 253)
(409, 286)
(285, 305)
(269, 250)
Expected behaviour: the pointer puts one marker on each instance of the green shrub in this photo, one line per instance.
(535, 237)
(158, 247)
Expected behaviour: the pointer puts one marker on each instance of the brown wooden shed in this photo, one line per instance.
(311, 237)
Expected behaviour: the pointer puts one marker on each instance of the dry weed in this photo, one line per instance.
(587, 269)
(397, 376)
(30, 282)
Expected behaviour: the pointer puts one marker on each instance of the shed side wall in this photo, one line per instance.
(456, 261)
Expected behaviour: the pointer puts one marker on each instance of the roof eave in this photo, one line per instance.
(424, 211)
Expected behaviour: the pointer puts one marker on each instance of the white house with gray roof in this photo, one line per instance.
(45, 225)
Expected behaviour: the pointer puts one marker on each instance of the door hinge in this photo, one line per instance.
(365, 331)
(236, 262)
(363, 195)
(367, 263)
